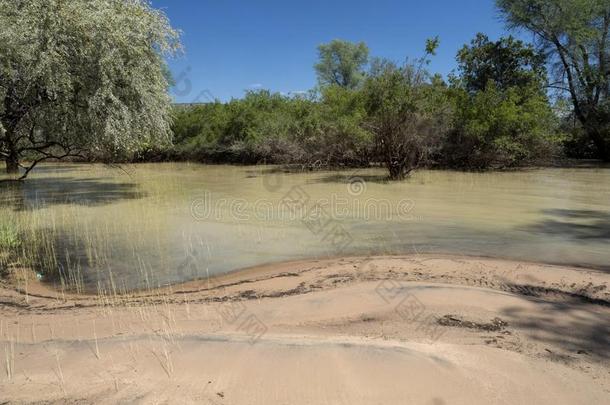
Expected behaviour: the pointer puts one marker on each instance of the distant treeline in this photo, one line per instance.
(500, 109)
(104, 97)
(495, 114)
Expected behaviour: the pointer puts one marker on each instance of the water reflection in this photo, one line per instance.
(585, 225)
(37, 193)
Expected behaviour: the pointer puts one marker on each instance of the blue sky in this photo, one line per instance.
(232, 46)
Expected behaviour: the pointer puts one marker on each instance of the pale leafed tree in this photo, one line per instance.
(82, 77)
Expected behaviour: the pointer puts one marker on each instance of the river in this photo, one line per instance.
(148, 225)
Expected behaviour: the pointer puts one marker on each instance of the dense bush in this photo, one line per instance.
(314, 130)
(399, 116)
(502, 115)
(228, 132)
(341, 138)
(407, 115)
(494, 129)
(391, 120)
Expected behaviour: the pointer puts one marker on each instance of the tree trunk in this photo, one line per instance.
(396, 169)
(12, 160)
(602, 146)
(12, 156)
(12, 164)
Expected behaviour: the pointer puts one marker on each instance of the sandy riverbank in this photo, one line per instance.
(386, 330)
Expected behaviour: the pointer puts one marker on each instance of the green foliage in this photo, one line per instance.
(269, 127)
(341, 137)
(342, 63)
(495, 128)
(502, 116)
(400, 116)
(89, 77)
(432, 45)
(506, 62)
(575, 35)
(9, 237)
(406, 113)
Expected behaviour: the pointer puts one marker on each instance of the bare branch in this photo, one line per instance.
(28, 169)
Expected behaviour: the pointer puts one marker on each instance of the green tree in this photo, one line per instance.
(575, 33)
(313, 130)
(502, 116)
(341, 140)
(496, 128)
(506, 62)
(407, 113)
(342, 63)
(82, 76)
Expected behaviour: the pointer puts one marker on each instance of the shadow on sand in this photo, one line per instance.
(571, 323)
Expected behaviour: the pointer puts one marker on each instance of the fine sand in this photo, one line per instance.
(384, 330)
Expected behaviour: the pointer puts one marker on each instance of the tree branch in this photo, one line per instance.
(28, 169)
(577, 109)
(602, 58)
